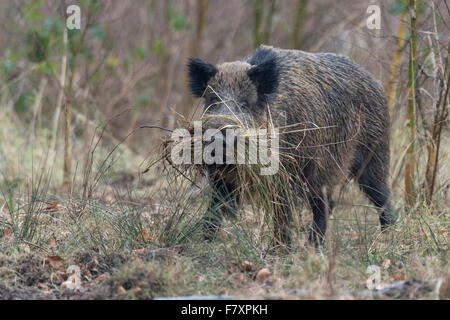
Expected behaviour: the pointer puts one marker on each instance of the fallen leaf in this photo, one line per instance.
(53, 206)
(263, 274)
(121, 290)
(54, 261)
(444, 289)
(397, 277)
(139, 251)
(102, 277)
(145, 236)
(7, 234)
(42, 286)
(52, 243)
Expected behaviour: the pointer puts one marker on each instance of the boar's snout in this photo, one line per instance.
(224, 136)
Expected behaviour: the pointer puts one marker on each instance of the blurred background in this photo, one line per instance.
(127, 63)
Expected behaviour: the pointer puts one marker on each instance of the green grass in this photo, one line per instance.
(144, 239)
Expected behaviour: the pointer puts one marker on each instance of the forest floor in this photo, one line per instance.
(121, 235)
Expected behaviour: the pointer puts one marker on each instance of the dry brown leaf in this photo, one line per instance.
(263, 274)
(102, 277)
(121, 290)
(145, 236)
(52, 243)
(386, 264)
(444, 289)
(54, 261)
(139, 251)
(53, 206)
(8, 234)
(42, 286)
(397, 277)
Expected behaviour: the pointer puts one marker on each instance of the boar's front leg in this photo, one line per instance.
(321, 210)
(224, 201)
(282, 217)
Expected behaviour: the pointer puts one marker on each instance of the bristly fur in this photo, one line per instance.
(199, 74)
(328, 92)
(265, 76)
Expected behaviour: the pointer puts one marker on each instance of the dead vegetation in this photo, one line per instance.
(116, 233)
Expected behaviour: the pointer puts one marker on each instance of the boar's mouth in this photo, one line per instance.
(221, 144)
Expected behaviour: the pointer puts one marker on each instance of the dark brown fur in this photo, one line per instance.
(321, 90)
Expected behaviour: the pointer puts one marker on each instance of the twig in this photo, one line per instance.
(35, 245)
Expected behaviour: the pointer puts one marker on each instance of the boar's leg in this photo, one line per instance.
(373, 182)
(224, 201)
(331, 205)
(371, 169)
(321, 210)
(282, 217)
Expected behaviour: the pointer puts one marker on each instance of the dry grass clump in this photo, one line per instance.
(264, 195)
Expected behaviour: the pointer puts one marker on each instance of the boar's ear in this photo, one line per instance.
(265, 76)
(199, 74)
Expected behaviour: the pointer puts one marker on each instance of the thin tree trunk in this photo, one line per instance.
(410, 190)
(262, 23)
(195, 49)
(59, 101)
(37, 106)
(300, 16)
(67, 139)
(258, 9)
(202, 9)
(68, 105)
(268, 24)
(391, 89)
(440, 119)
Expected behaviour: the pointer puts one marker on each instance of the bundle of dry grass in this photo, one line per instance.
(266, 195)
